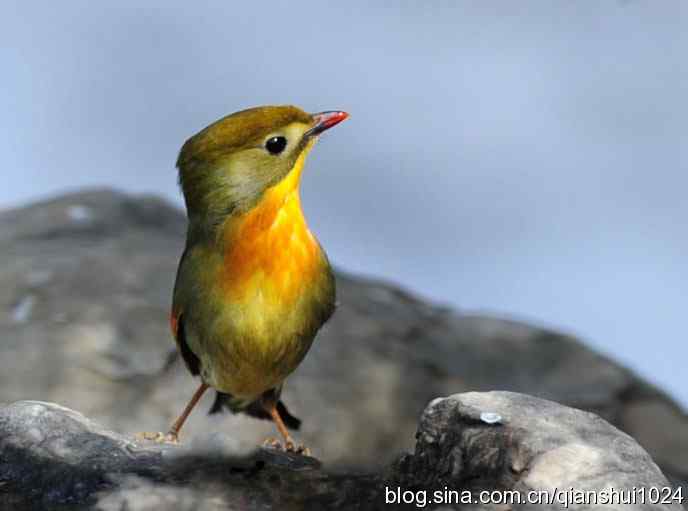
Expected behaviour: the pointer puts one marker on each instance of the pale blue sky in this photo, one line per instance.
(522, 158)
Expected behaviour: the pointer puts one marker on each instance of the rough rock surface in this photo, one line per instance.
(504, 440)
(54, 458)
(85, 286)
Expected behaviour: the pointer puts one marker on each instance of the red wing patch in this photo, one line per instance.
(174, 324)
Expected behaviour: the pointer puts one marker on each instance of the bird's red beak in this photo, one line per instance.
(325, 120)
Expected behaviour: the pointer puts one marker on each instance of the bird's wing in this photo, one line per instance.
(177, 323)
(190, 359)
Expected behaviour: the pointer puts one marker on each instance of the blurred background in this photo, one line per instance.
(526, 159)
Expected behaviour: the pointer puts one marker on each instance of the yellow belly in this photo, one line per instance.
(272, 275)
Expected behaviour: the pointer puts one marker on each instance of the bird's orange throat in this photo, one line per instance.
(269, 251)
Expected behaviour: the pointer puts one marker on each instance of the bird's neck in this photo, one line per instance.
(218, 223)
(269, 246)
(278, 209)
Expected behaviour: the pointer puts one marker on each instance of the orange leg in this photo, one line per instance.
(173, 434)
(277, 419)
(177, 425)
(289, 445)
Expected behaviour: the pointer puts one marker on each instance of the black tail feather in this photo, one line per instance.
(223, 401)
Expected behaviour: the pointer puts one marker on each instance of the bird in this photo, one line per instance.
(253, 286)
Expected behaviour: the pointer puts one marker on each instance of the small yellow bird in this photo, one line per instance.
(253, 286)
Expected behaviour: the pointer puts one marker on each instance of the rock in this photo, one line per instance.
(54, 458)
(85, 287)
(509, 441)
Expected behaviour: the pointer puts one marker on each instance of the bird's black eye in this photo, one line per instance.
(276, 145)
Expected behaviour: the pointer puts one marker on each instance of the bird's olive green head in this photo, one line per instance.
(225, 168)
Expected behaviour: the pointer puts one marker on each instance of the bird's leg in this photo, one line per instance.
(277, 419)
(270, 406)
(177, 425)
(172, 435)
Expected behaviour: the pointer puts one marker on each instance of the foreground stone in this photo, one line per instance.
(503, 440)
(54, 458)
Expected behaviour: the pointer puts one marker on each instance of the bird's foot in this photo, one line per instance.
(158, 437)
(287, 446)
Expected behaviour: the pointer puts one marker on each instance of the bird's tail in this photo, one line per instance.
(225, 401)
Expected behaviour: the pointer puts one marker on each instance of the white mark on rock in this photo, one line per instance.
(79, 213)
(22, 311)
(490, 418)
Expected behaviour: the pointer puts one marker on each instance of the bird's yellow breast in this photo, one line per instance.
(272, 272)
(270, 251)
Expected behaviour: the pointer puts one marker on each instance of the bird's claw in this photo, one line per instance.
(158, 437)
(288, 446)
(272, 442)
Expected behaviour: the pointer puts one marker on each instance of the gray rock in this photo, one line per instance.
(54, 458)
(535, 447)
(85, 286)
